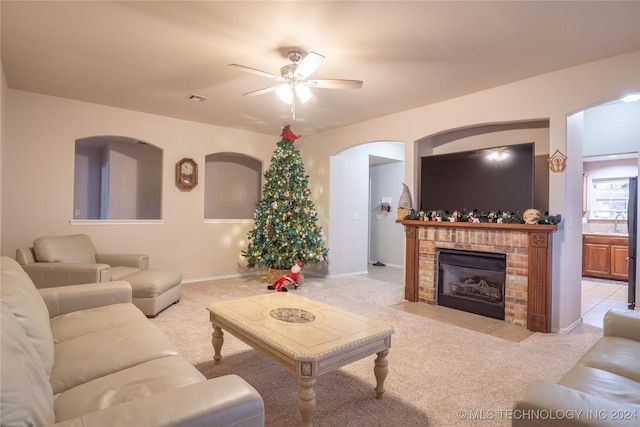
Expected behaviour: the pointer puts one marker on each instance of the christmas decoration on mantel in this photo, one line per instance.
(286, 230)
(405, 206)
(530, 216)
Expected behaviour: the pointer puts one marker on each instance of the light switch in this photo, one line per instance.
(354, 216)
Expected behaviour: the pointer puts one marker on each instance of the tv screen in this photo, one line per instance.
(488, 179)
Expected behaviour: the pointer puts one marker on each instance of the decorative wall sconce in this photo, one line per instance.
(557, 162)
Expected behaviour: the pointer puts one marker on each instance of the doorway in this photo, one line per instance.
(609, 142)
(386, 237)
(350, 210)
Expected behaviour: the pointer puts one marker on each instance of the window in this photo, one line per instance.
(609, 198)
(117, 178)
(232, 186)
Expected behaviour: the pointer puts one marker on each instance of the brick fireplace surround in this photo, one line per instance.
(528, 273)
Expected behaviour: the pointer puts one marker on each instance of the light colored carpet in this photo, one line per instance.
(436, 368)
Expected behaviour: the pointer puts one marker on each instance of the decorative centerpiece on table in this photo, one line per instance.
(286, 230)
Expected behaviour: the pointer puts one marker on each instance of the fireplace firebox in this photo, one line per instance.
(472, 281)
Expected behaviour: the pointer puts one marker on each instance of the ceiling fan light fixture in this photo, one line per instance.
(285, 93)
(294, 77)
(303, 92)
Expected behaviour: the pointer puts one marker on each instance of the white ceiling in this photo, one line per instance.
(149, 55)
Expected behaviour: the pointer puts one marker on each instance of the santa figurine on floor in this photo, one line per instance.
(290, 278)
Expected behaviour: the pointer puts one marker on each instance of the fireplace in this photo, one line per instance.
(472, 281)
(527, 288)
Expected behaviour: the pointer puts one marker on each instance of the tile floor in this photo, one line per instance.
(598, 296)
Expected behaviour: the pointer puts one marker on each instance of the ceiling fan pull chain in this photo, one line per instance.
(293, 106)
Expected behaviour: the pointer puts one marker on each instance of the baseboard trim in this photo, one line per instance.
(354, 273)
(388, 264)
(568, 328)
(224, 276)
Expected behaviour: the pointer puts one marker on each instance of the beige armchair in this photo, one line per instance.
(72, 260)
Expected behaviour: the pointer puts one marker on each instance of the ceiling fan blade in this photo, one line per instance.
(335, 84)
(258, 72)
(260, 91)
(308, 65)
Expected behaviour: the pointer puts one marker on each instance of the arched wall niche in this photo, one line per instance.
(233, 185)
(489, 135)
(117, 178)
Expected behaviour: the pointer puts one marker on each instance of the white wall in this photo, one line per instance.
(612, 128)
(611, 169)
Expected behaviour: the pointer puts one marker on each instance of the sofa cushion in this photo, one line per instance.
(132, 383)
(602, 384)
(120, 272)
(84, 358)
(26, 398)
(617, 355)
(21, 298)
(77, 323)
(72, 248)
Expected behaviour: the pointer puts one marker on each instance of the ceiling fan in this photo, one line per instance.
(295, 79)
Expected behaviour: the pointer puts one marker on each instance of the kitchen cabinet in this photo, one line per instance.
(605, 256)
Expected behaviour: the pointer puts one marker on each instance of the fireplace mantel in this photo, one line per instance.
(481, 225)
(528, 249)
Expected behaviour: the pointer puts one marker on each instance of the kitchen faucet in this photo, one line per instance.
(615, 224)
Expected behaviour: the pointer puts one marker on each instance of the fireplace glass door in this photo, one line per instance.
(472, 281)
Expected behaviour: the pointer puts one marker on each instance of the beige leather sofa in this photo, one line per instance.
(73, 259)
(84, 355)
(602, 389)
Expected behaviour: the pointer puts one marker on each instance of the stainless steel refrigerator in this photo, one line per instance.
(632, 223)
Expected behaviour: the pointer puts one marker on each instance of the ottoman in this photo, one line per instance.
(155, 290)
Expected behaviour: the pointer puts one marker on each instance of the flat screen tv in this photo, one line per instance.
(488, 179)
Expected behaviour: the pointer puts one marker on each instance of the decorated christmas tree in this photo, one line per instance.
(286, 230)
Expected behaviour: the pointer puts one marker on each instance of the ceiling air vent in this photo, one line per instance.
(194, 97)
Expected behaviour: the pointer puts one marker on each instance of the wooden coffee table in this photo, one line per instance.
(304, 336)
